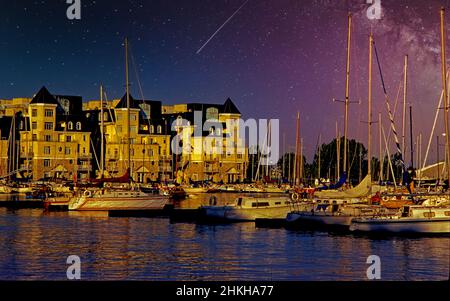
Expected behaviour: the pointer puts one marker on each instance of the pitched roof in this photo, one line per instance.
(122, 104)
(230, 108)
(43, 96)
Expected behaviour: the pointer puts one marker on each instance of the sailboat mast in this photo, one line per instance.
(347, 81)
(284, 156)
(411, 135)
(128, 105)
(369, 117)
(320, 147)
(102, 150)
(338, 151)
(381, 147)
(444, 84)
(301, 160)
(405, 85)
(296, 149)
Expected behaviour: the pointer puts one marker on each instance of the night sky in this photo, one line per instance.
(272, 58)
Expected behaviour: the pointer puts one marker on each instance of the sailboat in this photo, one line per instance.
(409, 219)
(118, 199)
(417, 218)
(337, 211)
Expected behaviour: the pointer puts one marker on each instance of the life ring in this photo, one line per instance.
(87, 193)
(294, 196)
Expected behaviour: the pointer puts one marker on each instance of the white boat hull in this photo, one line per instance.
(404, 225)
(110, 204)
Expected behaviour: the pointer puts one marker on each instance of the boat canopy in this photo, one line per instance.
(337, 185)
(361, 190)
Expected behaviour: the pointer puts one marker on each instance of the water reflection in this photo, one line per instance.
(34, 245)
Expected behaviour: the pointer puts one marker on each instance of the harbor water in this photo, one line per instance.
(35, 246)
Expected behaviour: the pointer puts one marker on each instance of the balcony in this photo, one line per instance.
(85, 157)
(84, 167)
(165, 168)
(165, 158)
(25, 155)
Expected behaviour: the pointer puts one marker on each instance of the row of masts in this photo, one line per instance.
(347, 101)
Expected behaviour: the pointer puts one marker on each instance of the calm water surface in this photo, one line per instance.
(35, 245)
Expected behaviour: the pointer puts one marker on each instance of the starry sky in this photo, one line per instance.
(272, 58)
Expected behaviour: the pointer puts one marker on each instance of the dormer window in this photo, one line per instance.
(70, 125)
(152, 129)
(159, 129)
(78, 126)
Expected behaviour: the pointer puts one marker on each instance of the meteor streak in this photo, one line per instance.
(221, 26)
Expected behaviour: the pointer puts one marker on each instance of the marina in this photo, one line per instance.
(303, 144)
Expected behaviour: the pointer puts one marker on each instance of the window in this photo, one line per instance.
(212, 113)
(133, 129)
(84, 138)
(34, 113)
(34, 125)
(78, 126)
(118, 116)
(47, 150)
(34, 138)
(152, 129)
(70, 125)
(48, 125)
(119, 129)
(145, 107)
(133, 117)
(429, 214)
(239, 156)
(159, 129)
(46, 163)
(260, 204)
(84, 150)
(48, 138)
(68, 138)
(68, 151)
(48, 113)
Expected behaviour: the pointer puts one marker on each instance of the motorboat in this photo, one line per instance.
(249, 209)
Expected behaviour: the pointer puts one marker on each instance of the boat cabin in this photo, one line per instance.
(252, 202)
(425, 212)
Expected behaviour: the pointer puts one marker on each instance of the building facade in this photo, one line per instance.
(55, 141)
(59, 136)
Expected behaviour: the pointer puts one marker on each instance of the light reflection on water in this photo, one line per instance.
(34, 246)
